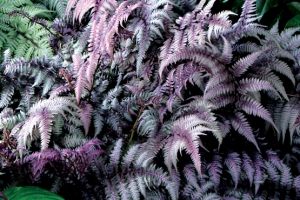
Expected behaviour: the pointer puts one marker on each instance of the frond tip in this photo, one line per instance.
(41, 118)
(185, 134)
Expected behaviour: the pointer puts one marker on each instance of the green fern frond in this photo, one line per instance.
(19, 34)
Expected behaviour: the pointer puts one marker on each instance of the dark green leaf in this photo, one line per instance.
(29, 193)
(263, 6)
(294, 22)
(237, 5)
(294, 8)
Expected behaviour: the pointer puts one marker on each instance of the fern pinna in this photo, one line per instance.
(154, 99)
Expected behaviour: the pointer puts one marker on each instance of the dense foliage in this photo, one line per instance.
(151, 99)
(23, 32)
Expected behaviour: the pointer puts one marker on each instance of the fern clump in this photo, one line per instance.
(153, 99)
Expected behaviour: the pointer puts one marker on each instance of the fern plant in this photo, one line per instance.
(155, 100)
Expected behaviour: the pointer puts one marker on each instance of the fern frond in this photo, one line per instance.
(221, 89)
(248, 14)
(59, 90)
(185, 132)
(226, 56)
(259, 172)
(85, 115)
(254, 85)
(296, 184)
(192, 183)
(204, 110)
(286, 179)
(215, 170)
(233, 163)
(136, 172)
(288, 117)
(253, 107)
(73, 140)
(25, 38)
(191, 53)
(268, 75)
(204, 189)
(41, 116)
(98, 120)
(242, 65)
(272, 172)
(241, 125)
(115, 155)
(283, 68)
(218, 23)
(248, 167)
(81, 82)
(6, 96)
(149, 124)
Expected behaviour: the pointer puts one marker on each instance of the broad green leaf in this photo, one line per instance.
(263, 6)
(30, 193)
(294, 8)
(294, 22)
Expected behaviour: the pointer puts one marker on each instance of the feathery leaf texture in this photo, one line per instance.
(241, 125)
(184, 135)
(133, 84)
(41, 116)
(22, 36)
(233, 162)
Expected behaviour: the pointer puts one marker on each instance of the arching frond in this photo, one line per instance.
(233, 162)
(41, 116)
(185, 134)
(241, 125)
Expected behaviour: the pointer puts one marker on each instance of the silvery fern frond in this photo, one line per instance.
(40, 120)
(131, 175)
(184, 134)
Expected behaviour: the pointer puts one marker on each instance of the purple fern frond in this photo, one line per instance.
(233, 163)
(165, 49)
(248, 167)
(286, 179)
(218, 22)
(248, 13)
(273, 158)
(59, 90)
(220, 89)
(185, 132)
(85, 115)
(81, 82)
(189, 173)
(222, 100)
(82, 6)
(253, 107)
(45, 127)
(272, 172)
(115, 155)
(215, 170)
(296, 184)
(6, 96)
(242, 65)
(254, 85)
(227, 51)
(259, 175)
(194, 54)
(241, 125)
